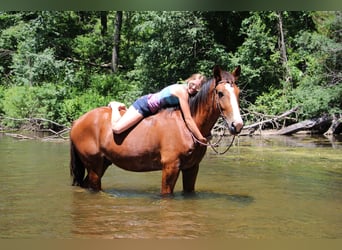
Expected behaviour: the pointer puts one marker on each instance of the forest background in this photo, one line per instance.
(57, 65)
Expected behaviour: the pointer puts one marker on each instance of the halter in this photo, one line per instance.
(221, 136)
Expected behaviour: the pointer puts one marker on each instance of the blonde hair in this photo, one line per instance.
(196, 76)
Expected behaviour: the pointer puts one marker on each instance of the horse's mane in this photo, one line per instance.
(201, 97)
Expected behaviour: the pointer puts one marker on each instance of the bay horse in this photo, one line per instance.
(159, 142)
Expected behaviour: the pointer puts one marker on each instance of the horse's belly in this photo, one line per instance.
(139, 163)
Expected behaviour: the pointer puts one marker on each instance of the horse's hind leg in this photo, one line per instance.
(189, 179)
(93, 180)
(95, 173)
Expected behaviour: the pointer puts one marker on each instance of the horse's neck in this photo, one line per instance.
(206, 118)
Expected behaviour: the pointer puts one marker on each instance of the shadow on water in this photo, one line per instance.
(242, 199)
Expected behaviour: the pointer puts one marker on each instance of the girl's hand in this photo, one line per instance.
(203, 140)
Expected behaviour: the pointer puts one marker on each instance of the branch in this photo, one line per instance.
(104, 65)
(34, 123)
(5, 52)
(34, 120)
(271, 120)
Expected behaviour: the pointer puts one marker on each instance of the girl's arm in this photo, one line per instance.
(183, 97)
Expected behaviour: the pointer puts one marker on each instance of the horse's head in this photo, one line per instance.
(227, 95)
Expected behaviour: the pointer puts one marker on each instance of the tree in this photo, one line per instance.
(103, 16)
(116, 44)
(225, 26)
(287, 55)
(258, 55)
(172, 46)
(282, 48)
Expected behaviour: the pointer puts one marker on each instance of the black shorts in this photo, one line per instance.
(142, 106)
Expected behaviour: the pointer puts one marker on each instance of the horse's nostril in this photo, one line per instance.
(233, 128)
(237, 127)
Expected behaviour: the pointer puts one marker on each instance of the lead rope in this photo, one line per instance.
(215, 144)
(226, 150)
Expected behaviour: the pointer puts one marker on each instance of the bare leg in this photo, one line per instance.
(130, 118)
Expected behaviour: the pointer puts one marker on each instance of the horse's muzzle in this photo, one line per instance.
(236, 127)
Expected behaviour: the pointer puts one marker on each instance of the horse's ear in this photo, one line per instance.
(217, 73)
(237, 71)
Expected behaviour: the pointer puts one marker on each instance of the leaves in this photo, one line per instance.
(52, 61)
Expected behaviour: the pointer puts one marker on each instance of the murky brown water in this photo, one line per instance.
(267, 187)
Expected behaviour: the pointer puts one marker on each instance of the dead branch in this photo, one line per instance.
(59, 134)
(103, 65)
(35, 124)
(5, 52)
(336, 126)
(34, 120)
(273, 120)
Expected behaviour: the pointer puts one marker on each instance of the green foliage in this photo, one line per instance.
(72, 109)
(92, 46)
(28, 102)
(116, 87)
(36, 68)
(19, 102)
(314, 67)
(258, 56)
(57, 29)
(274, 102)
(51, 62)
(88, 46)
(174, 42)
(316, 99)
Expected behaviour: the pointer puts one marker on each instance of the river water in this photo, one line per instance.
(263, 188)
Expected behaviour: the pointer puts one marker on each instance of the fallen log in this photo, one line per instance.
(316, 126)
(19, 136)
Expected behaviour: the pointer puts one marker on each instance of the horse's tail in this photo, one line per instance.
(77, 169)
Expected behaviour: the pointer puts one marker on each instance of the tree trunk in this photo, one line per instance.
(288, 86)
(282, 47)
(117, 32)
(103, 15)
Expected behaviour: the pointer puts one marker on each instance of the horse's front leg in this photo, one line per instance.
(170, 174)
(189, 179)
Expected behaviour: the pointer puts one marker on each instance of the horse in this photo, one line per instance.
(158, 142)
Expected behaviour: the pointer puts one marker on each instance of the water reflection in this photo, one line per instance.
(127, 218)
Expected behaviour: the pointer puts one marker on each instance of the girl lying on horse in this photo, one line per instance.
(171, 96)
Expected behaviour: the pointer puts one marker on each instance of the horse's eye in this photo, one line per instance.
(220, 94)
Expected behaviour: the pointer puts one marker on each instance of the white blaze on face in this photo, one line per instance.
(237, 120)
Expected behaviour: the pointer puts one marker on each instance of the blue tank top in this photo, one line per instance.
(162, 99)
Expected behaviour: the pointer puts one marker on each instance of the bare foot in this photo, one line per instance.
(117, 105)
